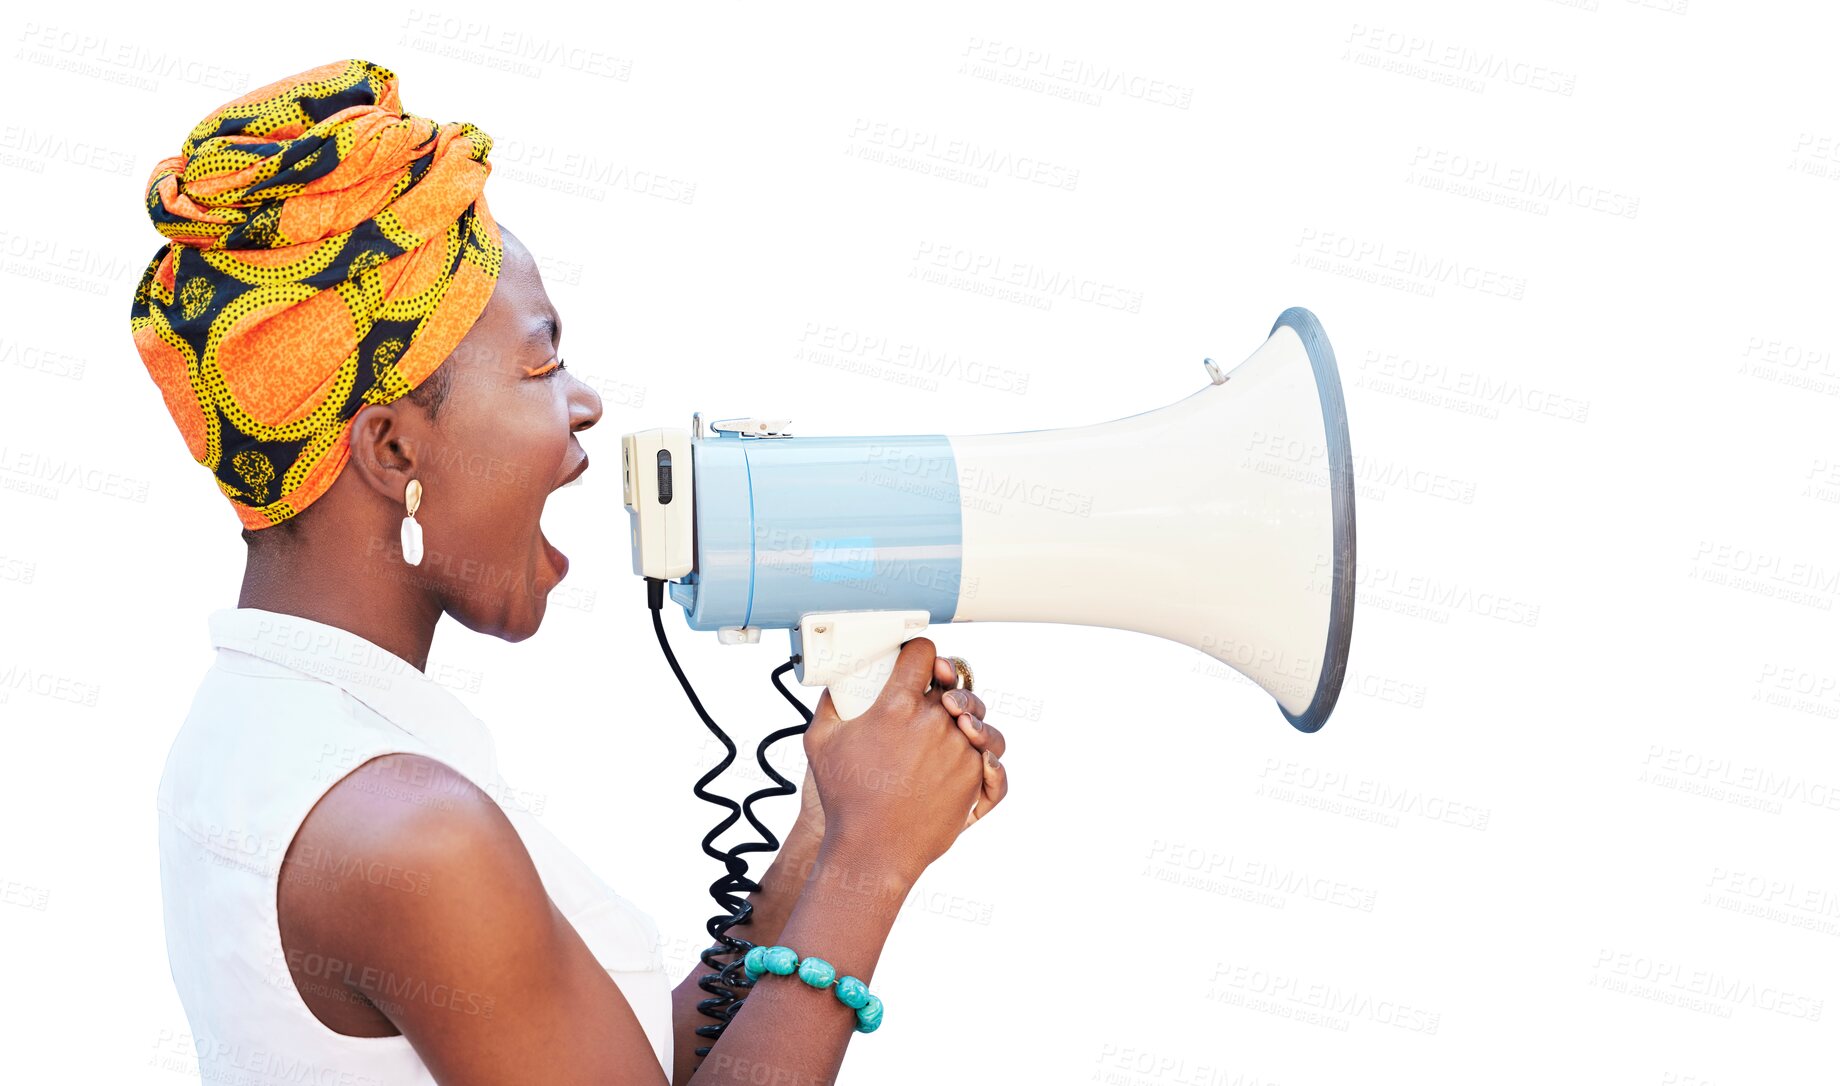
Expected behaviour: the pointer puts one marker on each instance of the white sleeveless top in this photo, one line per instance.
(290, 707)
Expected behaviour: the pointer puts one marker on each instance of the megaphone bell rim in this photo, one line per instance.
(1341, 496)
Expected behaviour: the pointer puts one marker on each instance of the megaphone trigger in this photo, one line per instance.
(853, 653)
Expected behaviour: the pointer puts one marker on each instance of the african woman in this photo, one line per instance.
(338, 326)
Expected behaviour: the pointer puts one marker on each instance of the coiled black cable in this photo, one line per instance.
(728, 978)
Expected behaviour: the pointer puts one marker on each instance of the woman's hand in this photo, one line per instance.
(969, 715)
(968, 710)
(810, 822)
(901, 781)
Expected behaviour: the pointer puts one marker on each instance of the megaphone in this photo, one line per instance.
(1224, 521)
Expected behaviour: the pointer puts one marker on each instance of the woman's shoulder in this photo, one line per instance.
(396, 825)
(405, 865)
(262, 742)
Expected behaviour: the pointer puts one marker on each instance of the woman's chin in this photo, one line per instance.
(558, 562)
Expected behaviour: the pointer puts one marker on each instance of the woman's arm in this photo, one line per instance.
(469, 959)
(488, 981)
(797, 862)
(899, 785)
(491, 984)
(789, 1031)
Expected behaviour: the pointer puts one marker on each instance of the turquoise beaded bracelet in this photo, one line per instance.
(784, 961)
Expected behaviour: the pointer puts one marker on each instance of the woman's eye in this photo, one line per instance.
(550, 369)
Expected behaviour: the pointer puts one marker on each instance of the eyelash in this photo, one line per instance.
(551, 372)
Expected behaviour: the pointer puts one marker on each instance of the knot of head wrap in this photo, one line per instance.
(325, 250)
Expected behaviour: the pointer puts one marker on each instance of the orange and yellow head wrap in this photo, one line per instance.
(325, 250)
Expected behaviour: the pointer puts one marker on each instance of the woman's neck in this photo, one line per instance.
(372, 595)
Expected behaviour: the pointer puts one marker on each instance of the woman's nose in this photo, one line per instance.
(584, 407)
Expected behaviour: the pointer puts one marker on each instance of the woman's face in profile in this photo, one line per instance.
(500, 442)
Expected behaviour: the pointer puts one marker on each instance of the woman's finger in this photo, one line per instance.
(996, 786)
(937, 686)
(984, 737)
(964, 701)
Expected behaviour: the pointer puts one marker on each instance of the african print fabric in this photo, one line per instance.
(325, 250)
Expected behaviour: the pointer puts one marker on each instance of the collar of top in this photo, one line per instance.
(388, 684)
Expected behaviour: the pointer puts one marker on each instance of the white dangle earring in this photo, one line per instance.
(412, 531)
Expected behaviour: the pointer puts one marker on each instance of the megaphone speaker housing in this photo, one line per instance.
(1224, 521)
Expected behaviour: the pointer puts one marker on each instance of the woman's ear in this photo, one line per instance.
(383, 451)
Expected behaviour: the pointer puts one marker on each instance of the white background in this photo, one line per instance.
(1574, 819)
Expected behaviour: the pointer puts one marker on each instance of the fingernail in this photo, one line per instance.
(954, 700)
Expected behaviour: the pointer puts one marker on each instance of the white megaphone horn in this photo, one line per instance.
(1224, 521)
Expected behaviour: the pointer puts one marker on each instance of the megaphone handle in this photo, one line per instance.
(852, 697)
(853, 653)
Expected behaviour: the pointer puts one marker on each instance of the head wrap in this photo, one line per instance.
(325, 250)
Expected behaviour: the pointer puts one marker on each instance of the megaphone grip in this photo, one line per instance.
(853, 653)
(852, 696)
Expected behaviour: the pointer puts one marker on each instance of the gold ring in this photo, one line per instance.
(964, 671)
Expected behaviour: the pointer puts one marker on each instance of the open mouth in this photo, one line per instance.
(572, 476)
(559, 561)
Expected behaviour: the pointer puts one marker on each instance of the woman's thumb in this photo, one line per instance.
(823, 716)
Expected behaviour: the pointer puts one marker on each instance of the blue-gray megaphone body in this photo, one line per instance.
(1224, 521)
